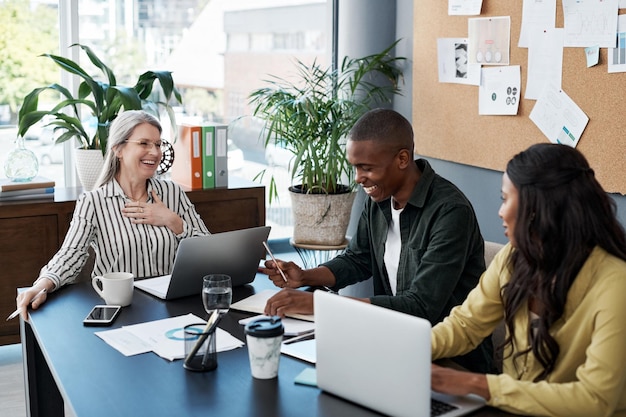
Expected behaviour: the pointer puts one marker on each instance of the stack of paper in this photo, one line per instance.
(163, 337)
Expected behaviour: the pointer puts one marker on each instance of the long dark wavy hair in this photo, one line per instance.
(563, 213)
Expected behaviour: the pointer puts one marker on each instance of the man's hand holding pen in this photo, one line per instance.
(289, 300)
(293, 274)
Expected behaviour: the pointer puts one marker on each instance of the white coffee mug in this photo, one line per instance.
(116, 288)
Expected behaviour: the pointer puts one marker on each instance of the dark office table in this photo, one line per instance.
(67, 365)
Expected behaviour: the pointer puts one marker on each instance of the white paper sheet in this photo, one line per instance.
(545, 61)
(453, 64)
(536, 15)
(499, 92)
(163, 337)
(304, 350)
(489, 40)
(125, 342)
(590, 22)
(558, 117)
(464, 7)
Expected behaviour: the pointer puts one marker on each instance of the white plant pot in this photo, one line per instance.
(89, 163)
(321, 219)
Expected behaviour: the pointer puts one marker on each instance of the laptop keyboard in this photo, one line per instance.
(439, 408)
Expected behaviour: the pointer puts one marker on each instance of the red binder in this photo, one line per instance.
(187, 167)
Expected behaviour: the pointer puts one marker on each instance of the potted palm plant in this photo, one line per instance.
(311, 115)
(103, 99)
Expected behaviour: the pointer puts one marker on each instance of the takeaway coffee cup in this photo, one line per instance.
(264, 337)
(116, 288)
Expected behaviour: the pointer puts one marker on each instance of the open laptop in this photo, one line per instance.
(236, 253)
(378, 358)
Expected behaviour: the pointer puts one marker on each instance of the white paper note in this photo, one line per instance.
(558, 117)
(545, 61)
(536, 15)
(590, 22)
(464, 7)
(453, 63)
(489, 39)
(499, 91)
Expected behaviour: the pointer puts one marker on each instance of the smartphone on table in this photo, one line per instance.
(102, 315)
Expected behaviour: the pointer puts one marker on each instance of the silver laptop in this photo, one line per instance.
(235, 253)
(378, 358)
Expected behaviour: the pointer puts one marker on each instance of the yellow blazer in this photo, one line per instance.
(589, 378)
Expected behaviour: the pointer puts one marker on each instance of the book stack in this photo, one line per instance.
(36, 189)
(201, 156)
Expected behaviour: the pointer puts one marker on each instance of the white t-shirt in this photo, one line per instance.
(393, 246)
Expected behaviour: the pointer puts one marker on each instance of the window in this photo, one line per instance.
(218, 51)
(29, 28)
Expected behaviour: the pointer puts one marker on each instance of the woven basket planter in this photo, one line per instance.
(320, 219)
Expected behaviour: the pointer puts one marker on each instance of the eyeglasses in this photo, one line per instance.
(147, 144)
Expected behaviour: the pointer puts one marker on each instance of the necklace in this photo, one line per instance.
(140, 198)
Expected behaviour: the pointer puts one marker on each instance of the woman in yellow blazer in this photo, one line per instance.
(560, 287)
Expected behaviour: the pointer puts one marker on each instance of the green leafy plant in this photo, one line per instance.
(104, 100)
(311, 115)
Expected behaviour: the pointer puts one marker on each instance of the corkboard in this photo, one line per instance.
(445, 116)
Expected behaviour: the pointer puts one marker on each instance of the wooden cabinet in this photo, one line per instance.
(32, 231)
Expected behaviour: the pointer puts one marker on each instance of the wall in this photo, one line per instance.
(482, 188)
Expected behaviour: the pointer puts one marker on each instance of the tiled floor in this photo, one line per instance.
(12, 399)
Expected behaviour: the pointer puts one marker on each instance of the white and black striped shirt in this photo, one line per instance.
(120, 245)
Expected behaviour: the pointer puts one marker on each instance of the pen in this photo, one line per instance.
(267, 248)
(19, 310)
(209, 328)
(305, 336)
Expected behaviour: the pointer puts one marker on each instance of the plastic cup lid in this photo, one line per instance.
(265, 327)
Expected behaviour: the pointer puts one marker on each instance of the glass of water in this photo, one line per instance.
(217, 293)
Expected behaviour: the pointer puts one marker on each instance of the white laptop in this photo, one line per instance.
(236, 253)
(378, 358)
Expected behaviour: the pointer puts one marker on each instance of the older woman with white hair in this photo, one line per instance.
(132, 220)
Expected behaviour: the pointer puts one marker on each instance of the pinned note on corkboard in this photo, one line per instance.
(445, 116)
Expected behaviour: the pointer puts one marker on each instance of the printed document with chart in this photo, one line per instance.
(558, 117)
